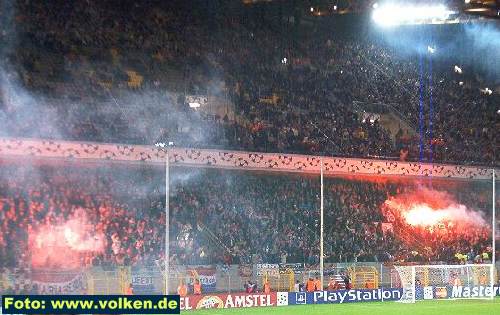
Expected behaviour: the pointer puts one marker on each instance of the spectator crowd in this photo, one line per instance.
(218, 217)
(103, 72)
(121, 74)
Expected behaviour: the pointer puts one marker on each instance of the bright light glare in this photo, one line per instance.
(487, 91)
(424, 215)
(431, 49)
(392, 14)
(71, 237)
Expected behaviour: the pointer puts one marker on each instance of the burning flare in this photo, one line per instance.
(63, 245)
(426, 207)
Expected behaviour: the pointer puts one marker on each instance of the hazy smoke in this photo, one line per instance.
(485, 40)
(118, 114)
(141, 116)
(476, 44)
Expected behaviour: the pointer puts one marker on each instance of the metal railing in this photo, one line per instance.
(221, 279)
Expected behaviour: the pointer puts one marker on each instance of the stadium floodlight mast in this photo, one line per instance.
(164, 147)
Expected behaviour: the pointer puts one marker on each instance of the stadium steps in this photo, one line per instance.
(390, 119)
(393, 123)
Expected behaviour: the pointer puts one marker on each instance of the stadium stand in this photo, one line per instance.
(217, 217)
(303, 105)
(122, 74)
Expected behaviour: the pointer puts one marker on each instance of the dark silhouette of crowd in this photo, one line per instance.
(121, 73)
(216, 216)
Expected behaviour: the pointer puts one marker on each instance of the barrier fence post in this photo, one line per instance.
(321, 232)
(493, 232)
(494, 223)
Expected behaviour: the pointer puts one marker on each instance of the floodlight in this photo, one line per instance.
(394, 14)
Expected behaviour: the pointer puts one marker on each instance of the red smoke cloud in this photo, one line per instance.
(63, 245)
(426, 208)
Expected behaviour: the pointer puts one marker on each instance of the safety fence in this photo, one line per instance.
(213, 278)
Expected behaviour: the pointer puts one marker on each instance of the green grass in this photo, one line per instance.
(442, 307)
